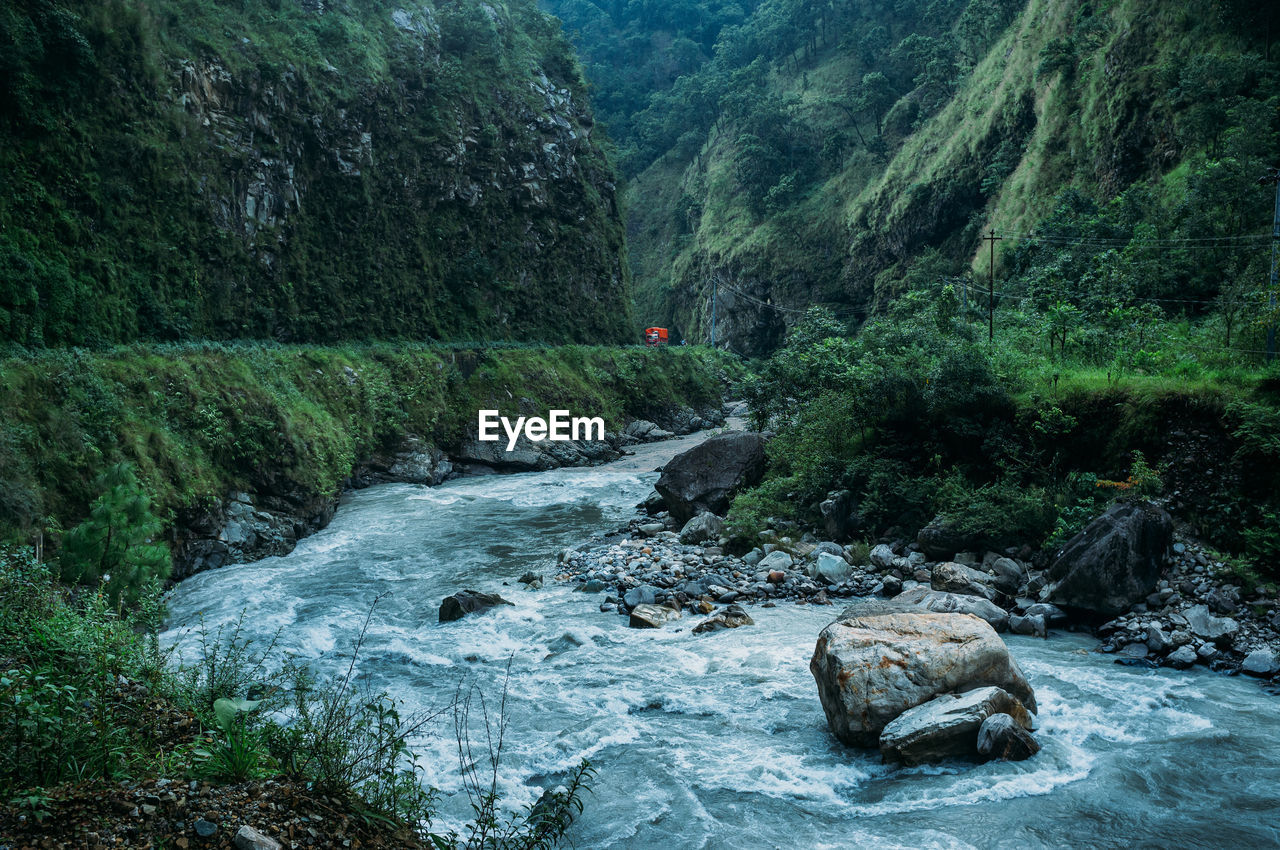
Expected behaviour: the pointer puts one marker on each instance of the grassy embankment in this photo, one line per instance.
(199, 421)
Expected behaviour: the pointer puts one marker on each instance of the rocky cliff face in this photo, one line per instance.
(334, 171)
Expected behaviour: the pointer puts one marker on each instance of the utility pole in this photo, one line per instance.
(991, 286)
(714, 282)
(1273, 176)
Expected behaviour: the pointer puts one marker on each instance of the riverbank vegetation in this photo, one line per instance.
(919, 417)
(198, 421)
(90, 703)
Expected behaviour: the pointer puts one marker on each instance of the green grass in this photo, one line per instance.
(200, 420)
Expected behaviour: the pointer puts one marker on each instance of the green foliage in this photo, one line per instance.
(998, 515)
(123, 217)
(197, 422)
(237, 752)
(84, 686)
(117, 543)
(59, 691)
(917, 416)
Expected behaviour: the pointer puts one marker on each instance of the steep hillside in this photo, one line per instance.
(844, 153)
(300, 170)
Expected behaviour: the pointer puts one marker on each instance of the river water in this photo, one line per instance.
(719, 741)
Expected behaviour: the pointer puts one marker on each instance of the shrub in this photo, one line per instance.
(117, 544)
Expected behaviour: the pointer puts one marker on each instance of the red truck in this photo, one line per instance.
(655, 336)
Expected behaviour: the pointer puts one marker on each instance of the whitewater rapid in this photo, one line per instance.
(718, 741)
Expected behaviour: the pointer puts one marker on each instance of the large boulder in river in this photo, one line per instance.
(706, 477)
(1115, 562)
(940, 602)
(468, 602)
(947, 726)
(879, 659)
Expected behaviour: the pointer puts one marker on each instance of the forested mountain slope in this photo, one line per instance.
(303, 170)
(844, 152)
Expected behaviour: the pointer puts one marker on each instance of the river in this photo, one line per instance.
(719, 741)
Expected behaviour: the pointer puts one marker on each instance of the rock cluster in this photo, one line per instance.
(1196, 614)
(1199, 614)
(649, 565)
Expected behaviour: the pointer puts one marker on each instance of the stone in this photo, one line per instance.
(645, 594)
(1030, 624)
(248, 838)
(731, 617)
(468, 602)
(941, 602)
(839, 516)
(652, 616)
(1009, 575)
(1261, 662)
(1207, 626)
(829, 548)
(205, 829)
(1182, 657)
(879, 659)
(891, 586)
(946, 726)
(707, 476)
(1134, 650)
(1002, 737)
(832, 568)
(882, 557)
(593, 585)
(703, 527)
(1157, 640)
(1114, 562)
(951, 577)
(1051, 613)
(940, 539)
(646, 431)
(776, 560)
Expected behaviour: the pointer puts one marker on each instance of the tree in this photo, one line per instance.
(876, 97)
(115, 543)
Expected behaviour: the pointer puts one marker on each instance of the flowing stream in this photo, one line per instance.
(719, 740)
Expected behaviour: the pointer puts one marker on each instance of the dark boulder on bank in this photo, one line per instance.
(468, 602)
(706, 477)
(1115, 562)
(941, 539)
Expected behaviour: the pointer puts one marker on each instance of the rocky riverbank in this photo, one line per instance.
(247, 526)
(1197, 611)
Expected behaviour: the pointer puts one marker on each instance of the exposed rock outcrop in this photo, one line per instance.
(468, 602)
